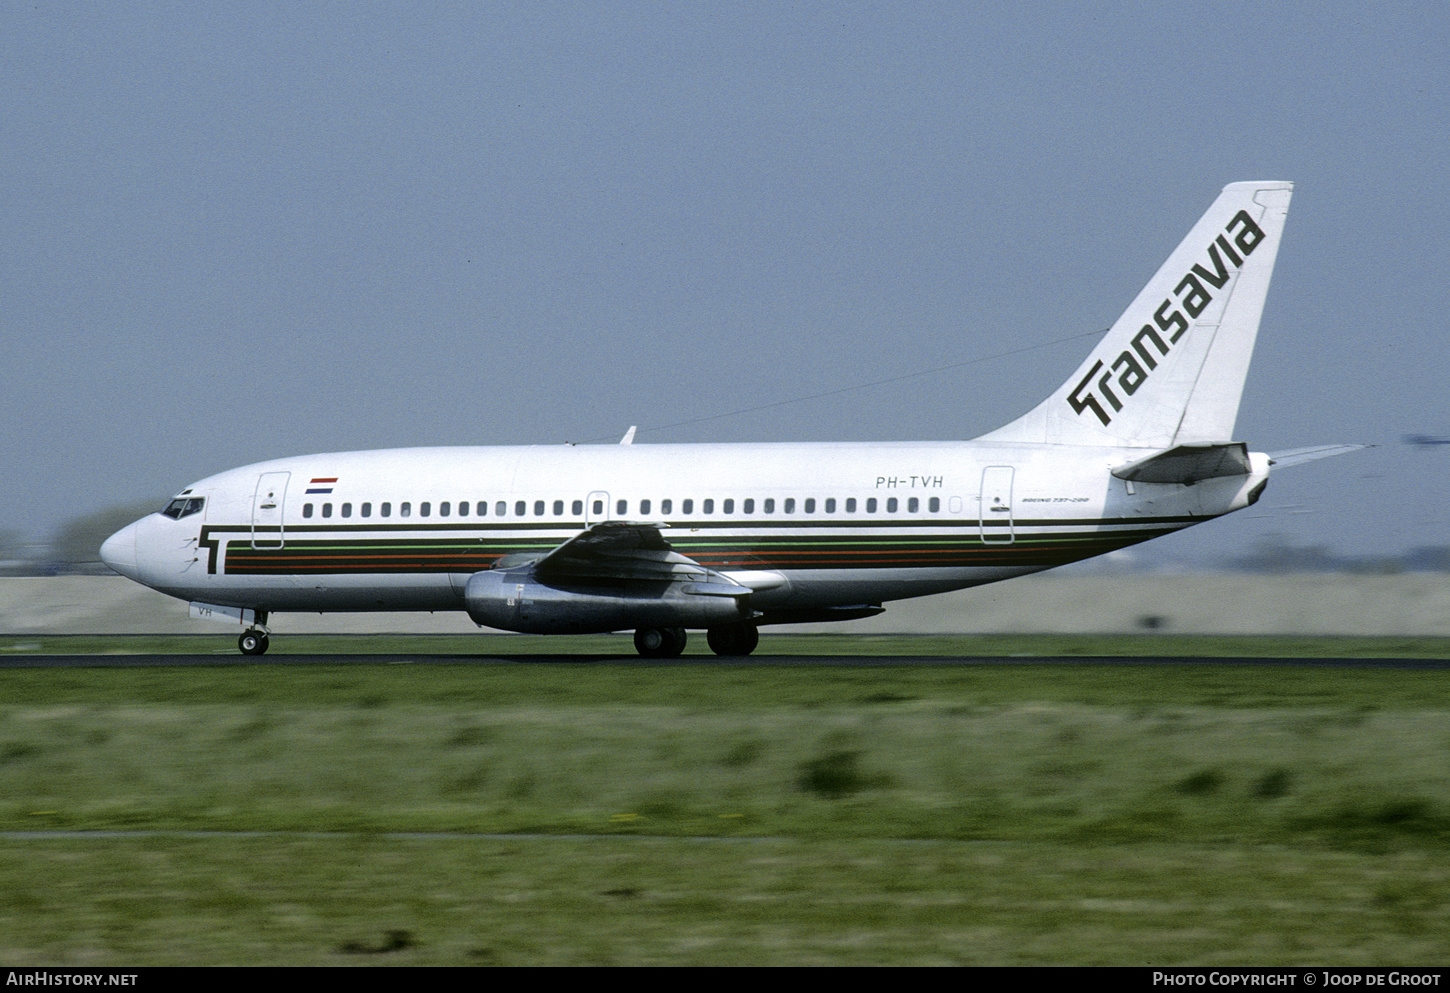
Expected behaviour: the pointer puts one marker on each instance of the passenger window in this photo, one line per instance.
(810, 505)
(521, 507)
(386, 510)
(347, 510)
(850, 505)
(443, 509)
(307, 510)
(870, 505)
(425, 509)
(366, 510)
(598, 508)
(830, 505)
(770, 505)
(934, 505)
(558, 508)
(748, 505)
(577, 508)
(327, 510)
(538, 508)
(621, 507)
(709, 507)
(501, 509)
(644, 507)
(790, 505)
(405, 509)
(913, 505)
(728, 507)
(667, 506)
(891, 505)
(687, 506)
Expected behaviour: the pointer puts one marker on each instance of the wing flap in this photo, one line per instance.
(715, 589)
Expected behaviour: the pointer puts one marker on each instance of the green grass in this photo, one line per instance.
(653, 901)
(620, 813)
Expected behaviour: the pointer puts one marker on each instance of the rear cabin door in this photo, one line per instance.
(267, 504)
(996, 502)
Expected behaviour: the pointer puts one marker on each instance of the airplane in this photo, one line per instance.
(1137, 443)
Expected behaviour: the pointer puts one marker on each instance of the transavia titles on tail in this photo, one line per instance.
(1137, 443)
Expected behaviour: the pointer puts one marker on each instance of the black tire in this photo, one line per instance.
(733, 639)
(253, 643)
(660, 643)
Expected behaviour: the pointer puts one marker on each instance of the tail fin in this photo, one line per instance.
(1171, 370)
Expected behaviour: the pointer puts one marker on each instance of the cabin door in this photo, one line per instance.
(996, 502)
(267, 503)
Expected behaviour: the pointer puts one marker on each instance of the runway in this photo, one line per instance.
(782, 661)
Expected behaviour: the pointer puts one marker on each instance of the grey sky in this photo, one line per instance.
(232, 232)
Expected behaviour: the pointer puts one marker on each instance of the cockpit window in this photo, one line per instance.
(184, 506)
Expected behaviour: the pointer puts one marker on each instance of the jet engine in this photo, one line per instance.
(516, 600)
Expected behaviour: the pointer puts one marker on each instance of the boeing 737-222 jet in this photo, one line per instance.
(1137, 443)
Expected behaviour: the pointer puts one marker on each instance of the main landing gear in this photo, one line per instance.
(660, 643)
(668, 643)
(733, 639)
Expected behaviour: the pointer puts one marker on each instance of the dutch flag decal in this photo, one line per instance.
(321, 485)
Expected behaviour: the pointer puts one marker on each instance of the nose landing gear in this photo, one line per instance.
(253, 641)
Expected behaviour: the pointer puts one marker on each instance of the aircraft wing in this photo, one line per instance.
(1297, 456)
(629, 550)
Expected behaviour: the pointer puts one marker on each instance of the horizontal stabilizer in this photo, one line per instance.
(1296, 456)
(1187, 464)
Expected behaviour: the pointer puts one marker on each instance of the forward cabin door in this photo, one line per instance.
(996, 503)
(267, 504)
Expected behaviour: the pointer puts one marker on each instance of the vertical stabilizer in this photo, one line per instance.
(1171, 370)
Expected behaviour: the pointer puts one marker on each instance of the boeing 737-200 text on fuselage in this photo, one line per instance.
(1137, 443)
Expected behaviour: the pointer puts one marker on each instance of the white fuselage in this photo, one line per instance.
(660, 538)
(802, 525)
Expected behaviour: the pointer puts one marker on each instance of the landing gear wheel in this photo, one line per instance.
(253, 642)
(660, 643)
(733, 639)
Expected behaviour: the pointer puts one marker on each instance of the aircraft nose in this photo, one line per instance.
(119, 551)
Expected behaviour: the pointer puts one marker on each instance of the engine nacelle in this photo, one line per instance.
(516, 601)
